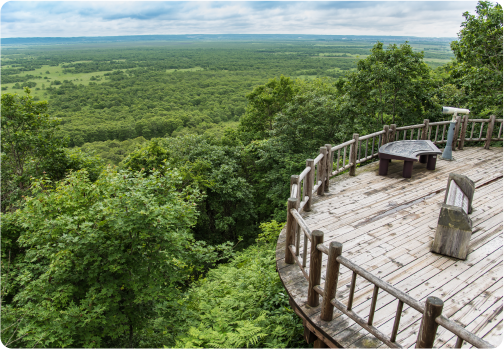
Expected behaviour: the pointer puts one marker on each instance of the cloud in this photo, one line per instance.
(101, 18)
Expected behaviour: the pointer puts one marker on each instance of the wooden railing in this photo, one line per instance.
(315, 179)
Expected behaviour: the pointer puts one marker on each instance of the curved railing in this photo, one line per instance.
(314, 179)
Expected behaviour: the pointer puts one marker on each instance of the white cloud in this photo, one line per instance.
(80, 18)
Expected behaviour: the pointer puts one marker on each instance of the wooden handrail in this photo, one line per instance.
(302, 201)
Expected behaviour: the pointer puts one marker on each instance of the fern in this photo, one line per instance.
(243, 304)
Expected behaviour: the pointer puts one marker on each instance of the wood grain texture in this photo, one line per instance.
(386, 226)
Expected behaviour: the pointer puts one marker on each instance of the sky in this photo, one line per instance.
(108, 18)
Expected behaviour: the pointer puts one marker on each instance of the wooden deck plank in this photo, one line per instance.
(386, 225)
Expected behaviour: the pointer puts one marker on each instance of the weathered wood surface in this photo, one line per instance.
(386, 225)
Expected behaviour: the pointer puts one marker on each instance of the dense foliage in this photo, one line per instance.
(31, 147)
(99, 264)
(173, 244)
(478, 67)
(243, 304)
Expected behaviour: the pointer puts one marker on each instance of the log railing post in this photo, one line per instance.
(428, 326)
(425, 129)
(290, 230)
(322, 171)
(331, 280)
(384, 139)
(308, 184)
(315, 267)
(295, 180)
(491, 123)
(354, 150)
(463, 132)
(456, 133)
(392, 131)
(329, 163)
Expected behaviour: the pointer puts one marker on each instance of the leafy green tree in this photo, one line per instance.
(263, 103)
(31, 147)
(102, 264)
(389, 86)
(478, 52)
(29, 142)
(227, 211)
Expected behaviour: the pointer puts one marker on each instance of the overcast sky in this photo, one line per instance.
(103, 18)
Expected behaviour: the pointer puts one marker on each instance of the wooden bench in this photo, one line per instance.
(454, 228)
(408, 152)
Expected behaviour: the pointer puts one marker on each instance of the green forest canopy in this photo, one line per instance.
(170, 247)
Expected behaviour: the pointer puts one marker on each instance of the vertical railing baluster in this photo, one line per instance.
(298, 237)
(500, 131)
(373, 305)
(367, 142)
(412, 133)
(344, 157)
(442, 135)
(359, 153)
(396, 321)
(305, 249)
(352, 290)
(418, 134)
(338, 161)
(404, 135)
(372, 147)
(472, 131)
(481, 131)
(437, 131)
(459, 342)
(430, 131)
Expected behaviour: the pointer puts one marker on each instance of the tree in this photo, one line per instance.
(103, 264)
(227, 211)
(390, 85)
(263, 103)
(32, 147)
(479, 55)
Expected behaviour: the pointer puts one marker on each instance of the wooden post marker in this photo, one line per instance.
(322, 170)
(491, 124)
(454, 229)
(353, 154)
(329, 164)
(425, 129)
(428, 327)
(463, 132)
(392, 132)
(384, 139)
(456, 133)
(290, 230)
(308, 184)
(315, 267)
(331, 280)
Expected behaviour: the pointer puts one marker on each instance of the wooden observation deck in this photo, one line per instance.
(370, 288)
